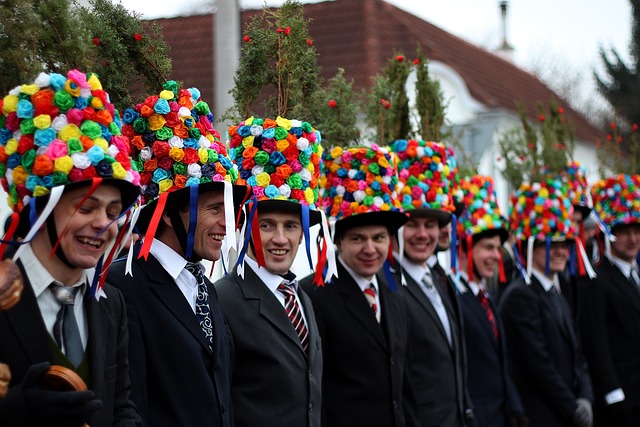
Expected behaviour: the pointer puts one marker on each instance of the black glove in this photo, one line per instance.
(470, 418)
(518, 420)
(56, 408)
(583, 416)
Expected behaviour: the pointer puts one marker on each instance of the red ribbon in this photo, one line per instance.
(153, 226)
(15, 218)
(502, 277)
(469, 257)
(257, 241)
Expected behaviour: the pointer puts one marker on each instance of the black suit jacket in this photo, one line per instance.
(364, 361)
(492, 392)
(177, 380)
(273, 382)
(610, 327)
(436, 368)
(544, 353)
(24, 341)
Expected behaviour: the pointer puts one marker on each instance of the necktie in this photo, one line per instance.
(633, 275)
(295, 315)
(202, 302)
(436, 301)
(555, 300)
(370, 295)
(65, 328)
(484, 302)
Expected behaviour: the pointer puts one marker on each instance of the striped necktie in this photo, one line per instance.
(370, 294)
(295, 315)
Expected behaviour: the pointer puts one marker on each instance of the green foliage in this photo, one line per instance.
(387, 111)
(430, 102)
(337, 110)
(277, 54)
(58, 35)
(620, 152)
(531, 151)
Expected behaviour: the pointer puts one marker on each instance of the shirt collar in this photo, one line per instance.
(432, 260)
(272, 281)
(39, 276)
(546, 283)
(415, 271)
(170, 260)
(624, 266)
(362, 282)
(472, 284)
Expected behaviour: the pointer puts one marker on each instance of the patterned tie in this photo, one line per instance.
(370, 295)
(202, 302)
(633, 275)
(555, 300)
(295, 315)
(65, 328)
(484, 302)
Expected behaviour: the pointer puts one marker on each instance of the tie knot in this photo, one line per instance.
(286, 289)
(427, 279)
(371, 291)
(64, 294)
(195, 270)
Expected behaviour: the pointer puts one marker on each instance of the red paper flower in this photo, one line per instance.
(310, 42)
(247, 39)
(137, 37)
(332, 103)
(541, 118)
(385, 104)
(96, 41)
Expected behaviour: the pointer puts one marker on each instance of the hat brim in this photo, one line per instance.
(393, 220)
(584, 210)
(503, 233)
(178, 198)
(275, 205)
(442, 217)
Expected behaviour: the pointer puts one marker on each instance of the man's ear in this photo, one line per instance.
(166, 219)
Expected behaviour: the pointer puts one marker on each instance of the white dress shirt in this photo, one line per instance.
(364, 283)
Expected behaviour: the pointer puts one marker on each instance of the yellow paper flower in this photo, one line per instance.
(249, 121)
(63, 164)
(247, 141)
(283, 123)
(118, 170)
(10, 104)
(68, 132)
(39, 190)
(96, 103)
(282, 145)
(166, 94)
(164, 185)
(73, 90)
(29, 89)
(336, 152)
(156, 122)
(263, 179)
(383, 162)
(43, 121)
(308, 195)
(102, 143)
(203, 154)
(11, 147)
(176, 153)
(94, 82)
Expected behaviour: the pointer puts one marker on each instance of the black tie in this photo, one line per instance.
(202, 302)
(555, 300)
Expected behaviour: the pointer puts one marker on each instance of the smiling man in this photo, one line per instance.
(179, 352)
(276, 348)
(482, 233)
(361, 319)
(58, 177)
(610, 319)
(543, 348)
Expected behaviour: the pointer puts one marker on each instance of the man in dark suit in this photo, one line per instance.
(179, 342)
(610, 319)
(276, 351)
(363, 323)
(496, 401)
(58, 320)
(548, 366)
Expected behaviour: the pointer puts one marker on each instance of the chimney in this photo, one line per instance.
(505, 50)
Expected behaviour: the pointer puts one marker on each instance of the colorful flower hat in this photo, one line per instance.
(424, 186)
(280, 160)
(616, 200)
(482, 213)
(179, 154)
(62, 131)
(457, 195)
(359, 187)
(575, 177)
(542, 210)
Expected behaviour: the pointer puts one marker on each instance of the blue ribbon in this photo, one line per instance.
(33, 215)
(305, 230)
(519, 260)
(247, 234)
(389, 276)
(193, 218)
(96, 278)
(547, 251)
(572, 259)
(454, 242)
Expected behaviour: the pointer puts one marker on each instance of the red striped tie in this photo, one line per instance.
(370, 294)
(295, 315)
(484, 302)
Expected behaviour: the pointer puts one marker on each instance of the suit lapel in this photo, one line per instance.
(27, 312)
(165, 289)
(478, 314)
(622, 283)
(253, 288)
(356, 303)
(97, 322)
(416, 293)
(548, 305)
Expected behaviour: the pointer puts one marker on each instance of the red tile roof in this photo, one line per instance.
(360, 36)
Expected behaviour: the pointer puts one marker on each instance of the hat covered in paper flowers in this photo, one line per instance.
(359, 187)
(542, 210)
(175, 145)
(482, 213)
(62, 131)
(423, 175)
(576, 177)
(616, 200)
(280, 160)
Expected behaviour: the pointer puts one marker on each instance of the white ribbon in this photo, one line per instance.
(585, 259)
(332, 268)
